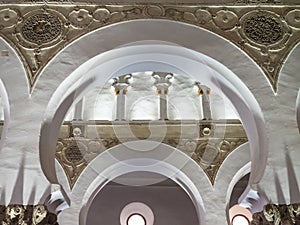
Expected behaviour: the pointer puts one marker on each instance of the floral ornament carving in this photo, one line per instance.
(80, 18)
(174, 14)
(203, 16)
(226, 20)
(102, 15)
(8, 17)
(293, 18)
(154, 11)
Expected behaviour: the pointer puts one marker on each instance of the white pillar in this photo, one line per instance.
(78, 110)
(121, 84)
(162, 84)
(204, 91)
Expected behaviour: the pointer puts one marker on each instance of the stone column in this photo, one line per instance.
(121, 84)
(204, 91)
(162, 84)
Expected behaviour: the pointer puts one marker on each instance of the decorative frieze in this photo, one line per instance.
(208, 148)
(267, 32)
(26, 215)
(278, 214)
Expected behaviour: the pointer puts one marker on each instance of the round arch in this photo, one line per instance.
(119, 160)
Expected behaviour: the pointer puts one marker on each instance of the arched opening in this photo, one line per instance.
(248, 110)
(168, 202)
(171, 108)
(141, 157)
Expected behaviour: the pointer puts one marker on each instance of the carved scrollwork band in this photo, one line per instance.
(26, 215)
(278, 214)
(266, 33)
(75, 150)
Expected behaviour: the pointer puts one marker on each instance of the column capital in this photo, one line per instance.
(162, 81)
(121, 83)
(202, 89)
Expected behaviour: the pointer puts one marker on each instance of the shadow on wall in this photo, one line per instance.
(53, 198)
(257, 207)
(298, 110)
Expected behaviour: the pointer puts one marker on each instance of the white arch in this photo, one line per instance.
(215, 75)
(172, 166)
(13, 84)
(6, 111)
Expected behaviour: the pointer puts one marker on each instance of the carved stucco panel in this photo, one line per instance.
(209, 151)
(38, 31)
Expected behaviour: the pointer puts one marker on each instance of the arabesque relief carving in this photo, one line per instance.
(216, 140)
(278, 214)
(38, 31)
(26, 215)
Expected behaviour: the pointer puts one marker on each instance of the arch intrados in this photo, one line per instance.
(241, 173)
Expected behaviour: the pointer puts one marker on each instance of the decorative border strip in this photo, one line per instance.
(209, 151)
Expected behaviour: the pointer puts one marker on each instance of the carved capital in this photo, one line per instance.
(162, 81)
(121, 83)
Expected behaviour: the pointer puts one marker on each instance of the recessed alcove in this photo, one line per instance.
(168, 201)
(142, 102)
